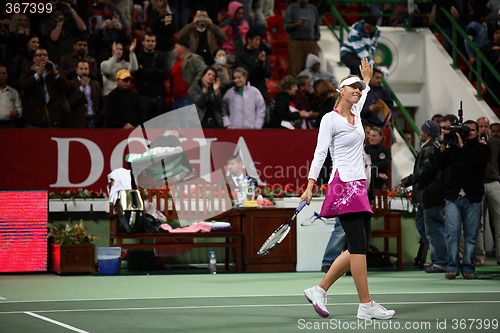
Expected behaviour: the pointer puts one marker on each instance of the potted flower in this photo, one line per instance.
(71, 248)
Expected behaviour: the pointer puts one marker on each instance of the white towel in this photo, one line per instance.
(122, 180)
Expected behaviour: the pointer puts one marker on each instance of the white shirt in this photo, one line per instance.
(345, 142)
(9, 100)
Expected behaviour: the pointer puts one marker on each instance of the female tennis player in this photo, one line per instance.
(342, 133)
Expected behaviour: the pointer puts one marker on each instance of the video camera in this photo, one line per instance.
(457, 127)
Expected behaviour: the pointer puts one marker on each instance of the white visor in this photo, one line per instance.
(352, 80)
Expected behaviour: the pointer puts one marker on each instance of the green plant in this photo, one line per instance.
(70, 234)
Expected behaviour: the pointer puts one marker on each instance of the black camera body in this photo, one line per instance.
(49, 66)
(457, 127)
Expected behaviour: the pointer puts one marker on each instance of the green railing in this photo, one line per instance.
(481, 60)
(338, 21)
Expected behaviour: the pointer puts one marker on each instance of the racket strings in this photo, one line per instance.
(276, 238)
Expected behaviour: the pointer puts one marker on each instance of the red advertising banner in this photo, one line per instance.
(57, 159)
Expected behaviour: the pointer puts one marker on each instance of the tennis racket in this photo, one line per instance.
(279, 234)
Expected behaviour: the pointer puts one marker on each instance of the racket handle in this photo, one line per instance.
(301, 205)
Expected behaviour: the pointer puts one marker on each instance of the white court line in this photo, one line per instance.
(240, 296)
(58, 323)
(195, 307)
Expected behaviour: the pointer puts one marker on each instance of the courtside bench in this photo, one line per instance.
(233, 238)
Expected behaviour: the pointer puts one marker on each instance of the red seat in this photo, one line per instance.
(273, 86)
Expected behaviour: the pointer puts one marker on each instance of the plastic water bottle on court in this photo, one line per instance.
(212, 263)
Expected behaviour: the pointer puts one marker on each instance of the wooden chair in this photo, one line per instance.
(391, 227)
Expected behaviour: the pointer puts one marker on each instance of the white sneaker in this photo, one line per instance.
(373, 310)
(317, 296)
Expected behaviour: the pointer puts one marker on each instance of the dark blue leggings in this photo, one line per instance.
(357, 227)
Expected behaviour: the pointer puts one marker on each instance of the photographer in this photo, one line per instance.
(203, 35)
(466, 158)
(43, 90)
(428, 187)
(61, 29)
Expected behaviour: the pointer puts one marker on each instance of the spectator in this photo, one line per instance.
(61, 29)
(43, 89)
(243, 106)
(85, 99)
(301, 21)
(454, 8)
(284, 112)
(164, 30)
(125, 9)
(180, 10)
(224, 71)
(13, 39)
(110, 32)
(408, 135)
(314, 72)
(303, 96)
(428, 195)
(491, 199)
(150, 79)
(492, 52)
(203, 35)
(483, 134)
(20, 25)
(495, 130)
(381, 159)
(477, 30)
(372, 111)
(324, 99)
(437, 118)
(185, 71)
(23, 58)
(122, 104)
(11, 109)
(69, 62)
(264, 10)
(361, 43)
(495, 23)
(236, 175)
(206, 95)
(116, 62)
(466, 159)
(157, 9)
(100, 11)
(256, 63)
(235, 27)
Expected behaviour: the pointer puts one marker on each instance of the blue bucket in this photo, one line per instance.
(108, 260)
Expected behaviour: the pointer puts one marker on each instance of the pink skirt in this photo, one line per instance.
(345, 197)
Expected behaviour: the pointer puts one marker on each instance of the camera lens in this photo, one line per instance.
(48, 66)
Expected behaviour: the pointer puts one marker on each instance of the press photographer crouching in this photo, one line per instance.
(463, 159)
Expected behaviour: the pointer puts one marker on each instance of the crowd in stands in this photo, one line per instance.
(63, 67)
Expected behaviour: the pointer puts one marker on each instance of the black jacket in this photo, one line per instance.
(258, 71)
(151, 74)
(427, 178)
(381, 163)
(466, 169)
(280, 110)
(122, 107)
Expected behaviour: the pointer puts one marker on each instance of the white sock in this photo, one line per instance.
(318, 288)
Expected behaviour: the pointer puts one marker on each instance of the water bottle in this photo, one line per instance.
(212, 263)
